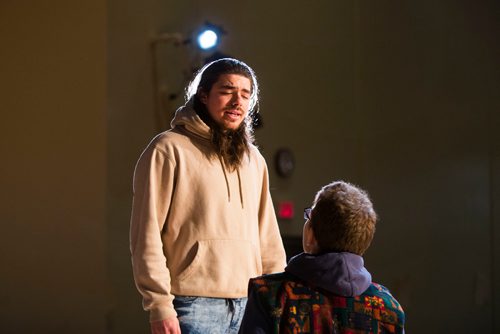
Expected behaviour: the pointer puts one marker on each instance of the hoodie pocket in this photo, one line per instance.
(221, 268)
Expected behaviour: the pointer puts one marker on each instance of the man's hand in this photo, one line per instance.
(167, 326)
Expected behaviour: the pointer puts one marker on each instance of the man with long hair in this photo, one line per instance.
(203, 222)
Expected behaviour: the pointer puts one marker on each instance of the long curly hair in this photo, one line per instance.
(231, 145)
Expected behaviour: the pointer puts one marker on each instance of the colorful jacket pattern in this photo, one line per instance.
(283, 303)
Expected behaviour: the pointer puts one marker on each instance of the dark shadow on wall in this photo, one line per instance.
(293, 246)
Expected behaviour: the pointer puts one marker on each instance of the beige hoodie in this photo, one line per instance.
(196, 228)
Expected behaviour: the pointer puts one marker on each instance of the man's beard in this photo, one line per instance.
(232, 145)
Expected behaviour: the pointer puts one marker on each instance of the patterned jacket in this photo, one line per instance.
(286, 303)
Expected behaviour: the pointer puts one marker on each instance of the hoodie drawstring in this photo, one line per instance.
(225, 177)
(240, 186)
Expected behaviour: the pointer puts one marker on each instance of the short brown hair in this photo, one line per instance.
(343, 219)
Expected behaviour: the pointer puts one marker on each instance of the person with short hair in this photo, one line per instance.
(203, 222)
(326, 289)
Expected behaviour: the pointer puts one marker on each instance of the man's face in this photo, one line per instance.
(228, 100)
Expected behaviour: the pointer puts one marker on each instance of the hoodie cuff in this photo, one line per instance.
(161, 313)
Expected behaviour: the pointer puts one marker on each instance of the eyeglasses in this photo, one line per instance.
(307, 213)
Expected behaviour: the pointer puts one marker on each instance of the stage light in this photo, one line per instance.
(207, 39)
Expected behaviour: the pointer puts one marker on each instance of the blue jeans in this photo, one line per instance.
(203, 315)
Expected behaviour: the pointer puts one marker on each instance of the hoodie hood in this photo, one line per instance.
(343, 273)
(187, 117)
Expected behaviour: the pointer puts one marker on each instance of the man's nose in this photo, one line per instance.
(236, 99)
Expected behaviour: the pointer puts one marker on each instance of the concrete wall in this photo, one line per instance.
(399, 98)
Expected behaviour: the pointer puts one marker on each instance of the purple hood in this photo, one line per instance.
(343, 274)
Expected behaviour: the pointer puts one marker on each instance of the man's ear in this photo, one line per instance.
(203, 97)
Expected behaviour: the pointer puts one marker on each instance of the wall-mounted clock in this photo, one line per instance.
(284, 162)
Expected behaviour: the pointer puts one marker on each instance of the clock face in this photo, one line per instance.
(285, 162)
